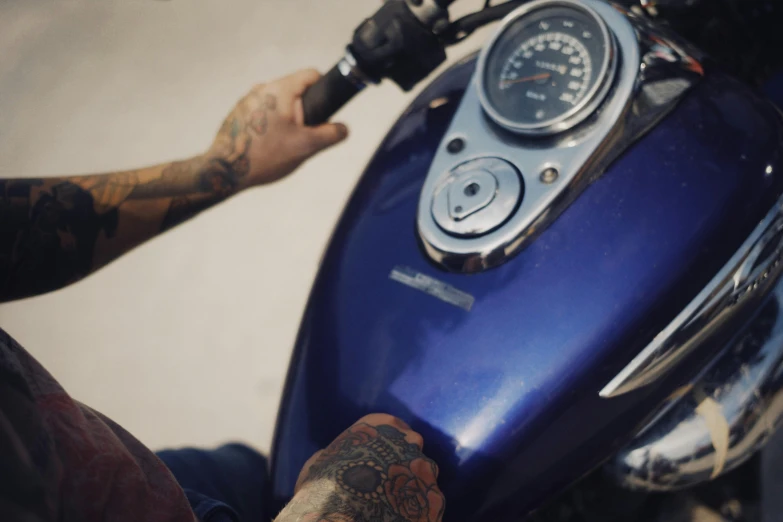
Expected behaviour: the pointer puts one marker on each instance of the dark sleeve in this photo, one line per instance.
(25, 449)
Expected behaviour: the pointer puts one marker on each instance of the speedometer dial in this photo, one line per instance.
(547, 69)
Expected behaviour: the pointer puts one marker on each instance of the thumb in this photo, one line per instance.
(326, 135)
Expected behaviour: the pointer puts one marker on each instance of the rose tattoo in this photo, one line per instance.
(377, 472)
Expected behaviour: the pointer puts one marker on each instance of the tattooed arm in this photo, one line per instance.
(374, 472)
(55, 231)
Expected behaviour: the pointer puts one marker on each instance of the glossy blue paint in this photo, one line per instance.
(506, 395)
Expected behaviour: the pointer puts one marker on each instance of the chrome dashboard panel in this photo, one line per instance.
(653, 73)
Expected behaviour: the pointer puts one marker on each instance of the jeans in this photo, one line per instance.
(228, 484)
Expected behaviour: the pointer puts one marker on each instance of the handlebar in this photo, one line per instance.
(393, 43)
(403, 41)
(327, 96)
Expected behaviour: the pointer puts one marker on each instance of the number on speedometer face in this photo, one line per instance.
(544, 68)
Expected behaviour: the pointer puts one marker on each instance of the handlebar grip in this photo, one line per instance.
(327, 96)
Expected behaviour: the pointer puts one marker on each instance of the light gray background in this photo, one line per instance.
(186, 339)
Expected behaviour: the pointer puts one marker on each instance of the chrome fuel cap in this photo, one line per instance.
(477, 196)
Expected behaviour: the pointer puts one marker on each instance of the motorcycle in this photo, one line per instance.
(562, 265)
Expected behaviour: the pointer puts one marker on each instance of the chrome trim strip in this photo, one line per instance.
(576, 114)
(726, 416)
(729, 288)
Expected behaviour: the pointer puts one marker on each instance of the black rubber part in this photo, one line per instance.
(326, 97)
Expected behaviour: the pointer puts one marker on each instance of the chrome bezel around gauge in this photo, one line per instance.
(581, 110)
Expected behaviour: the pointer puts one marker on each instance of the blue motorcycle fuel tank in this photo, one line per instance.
(501, 370)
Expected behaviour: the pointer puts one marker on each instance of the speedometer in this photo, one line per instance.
(547, 69)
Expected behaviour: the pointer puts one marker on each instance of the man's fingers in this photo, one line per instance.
(285, 95)
(326, 135)
(378, 419)
(297, 83)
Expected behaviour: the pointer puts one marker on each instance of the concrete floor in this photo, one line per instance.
(184, 341)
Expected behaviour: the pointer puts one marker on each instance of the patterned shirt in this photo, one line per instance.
(62, 461)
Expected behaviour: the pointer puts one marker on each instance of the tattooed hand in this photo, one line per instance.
(374, 471)
(265, 139)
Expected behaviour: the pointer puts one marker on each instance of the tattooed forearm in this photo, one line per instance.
(371, 473)
(183, 208)
(56, 231)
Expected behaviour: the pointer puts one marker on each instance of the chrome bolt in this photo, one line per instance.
(549, 175)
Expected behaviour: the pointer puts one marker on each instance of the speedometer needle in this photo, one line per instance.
(542, 76)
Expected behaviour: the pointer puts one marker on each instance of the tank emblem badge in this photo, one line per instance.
(433, 287)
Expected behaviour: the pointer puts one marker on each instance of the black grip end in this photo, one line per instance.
(327, 96)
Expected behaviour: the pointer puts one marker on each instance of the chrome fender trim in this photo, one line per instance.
(725, 417)
(748, 273)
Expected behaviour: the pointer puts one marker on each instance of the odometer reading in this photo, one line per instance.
(544, 68)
